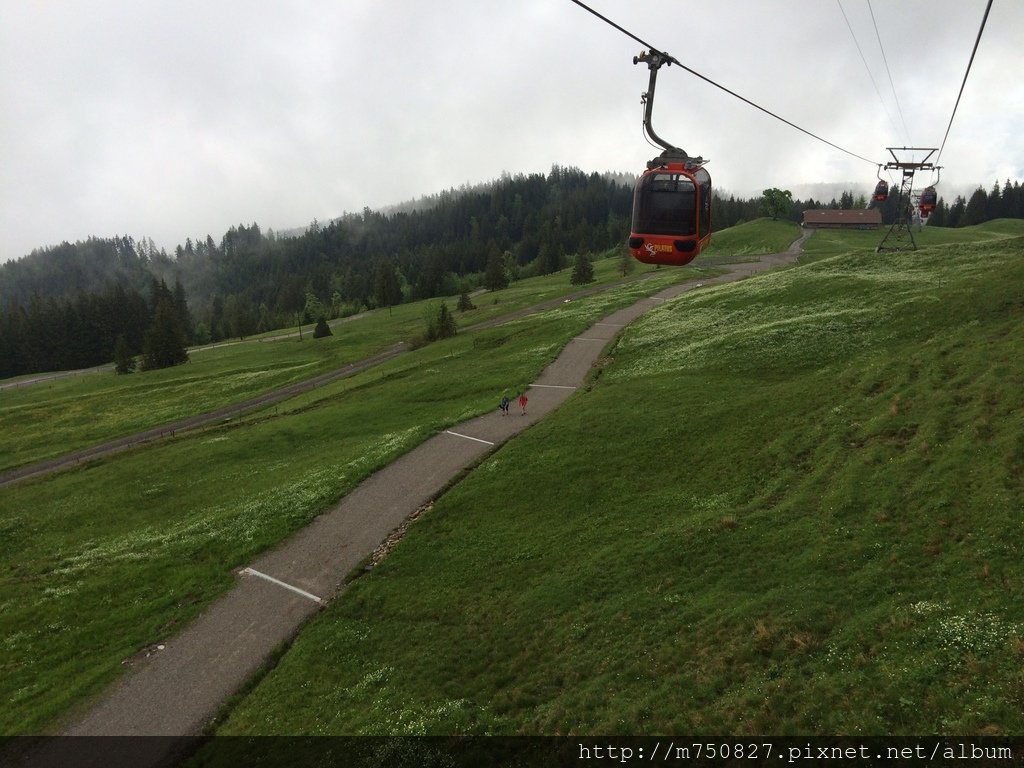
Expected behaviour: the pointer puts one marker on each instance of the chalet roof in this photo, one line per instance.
(851, 217)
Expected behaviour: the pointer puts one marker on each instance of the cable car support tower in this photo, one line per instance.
(900, 236)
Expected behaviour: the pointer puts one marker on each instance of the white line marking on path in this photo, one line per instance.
(467, 437)
(271, 579)
(589, 338)
(611, 325)
(552, 386)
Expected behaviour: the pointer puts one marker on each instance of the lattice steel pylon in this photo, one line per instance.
(900, 236)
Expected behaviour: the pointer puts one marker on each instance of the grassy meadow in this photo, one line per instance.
(828, 242)
(745, 241)
(51, 418)
(791, 505)
(99, 563)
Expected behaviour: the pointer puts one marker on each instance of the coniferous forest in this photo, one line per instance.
(83, 304)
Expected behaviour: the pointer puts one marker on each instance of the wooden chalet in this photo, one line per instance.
(851, 218)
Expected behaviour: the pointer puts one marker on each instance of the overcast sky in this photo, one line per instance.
(175, 120)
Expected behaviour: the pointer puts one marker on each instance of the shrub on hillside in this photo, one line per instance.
(322, 329)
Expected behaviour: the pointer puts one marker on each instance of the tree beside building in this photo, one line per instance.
(777, 202)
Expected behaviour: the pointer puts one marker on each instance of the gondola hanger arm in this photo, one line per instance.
(654, 61)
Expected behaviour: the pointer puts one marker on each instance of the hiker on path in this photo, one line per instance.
(522, 402)
(504, 405)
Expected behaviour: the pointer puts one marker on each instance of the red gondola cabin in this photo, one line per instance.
(671, 214)
(928, 202)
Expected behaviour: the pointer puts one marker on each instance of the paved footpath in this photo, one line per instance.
(176, 691)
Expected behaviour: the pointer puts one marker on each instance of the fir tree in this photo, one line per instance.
(494, 277)
(164, 345)
(977, 209)
(549, 260)
(322, 328)
(626, 263)
(387, 290)
(446, 327)
(582, 271)
(124, 361)
(440, 324)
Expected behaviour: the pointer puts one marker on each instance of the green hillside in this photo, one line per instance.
(832, 241)
(50, 419)
(791, 505)
(755, 237)
(100, 563)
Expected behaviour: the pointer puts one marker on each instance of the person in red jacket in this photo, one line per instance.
(522, 402)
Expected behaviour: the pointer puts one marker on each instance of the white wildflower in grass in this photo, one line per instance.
(12, 641)
(836, 658)
(799, 317)
(374, 679)
(352, 631)
(466, 415)
(747, 337)
(714, 505)
(138, 545)
(388, 445)
(54, 593)
(975, 633)
(417, 721)
(247, 521)
(245, 376)
(540, 351)
(271, 467)
(970, 632)
(718, 502)
(297, 501)
(927, 608)
(22, 694)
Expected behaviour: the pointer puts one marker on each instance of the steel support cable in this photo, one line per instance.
(964, 83)
(695, 73)
(896, 98)
(866, 67)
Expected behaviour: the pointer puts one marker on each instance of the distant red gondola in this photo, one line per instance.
(928, 202)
